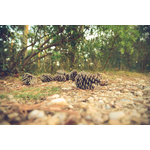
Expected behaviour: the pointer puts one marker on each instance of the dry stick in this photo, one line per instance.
(26, 107)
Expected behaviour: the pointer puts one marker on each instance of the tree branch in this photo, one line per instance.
(41, 57)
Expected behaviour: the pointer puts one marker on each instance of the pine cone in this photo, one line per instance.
(85, 80)
(29, 79)
(67, 76)
(46, 77)
(58, 77)
(73, 74)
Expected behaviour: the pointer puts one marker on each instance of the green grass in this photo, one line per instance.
(33, 93)
(3, 96)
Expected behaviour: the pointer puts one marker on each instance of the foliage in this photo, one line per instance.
(81, 47)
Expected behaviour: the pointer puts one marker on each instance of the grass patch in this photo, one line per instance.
(3, 96)
(33, 93)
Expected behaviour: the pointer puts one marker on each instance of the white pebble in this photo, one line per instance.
(116, 115)
(10, 96)
(13, 115)
(59, 101)
(36, 114)
(101, 102)
(91, 99)
(138, 93)
(55, 96)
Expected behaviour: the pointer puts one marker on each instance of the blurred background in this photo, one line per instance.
(97, 48)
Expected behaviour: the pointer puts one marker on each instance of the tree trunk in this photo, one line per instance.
(107, 61)
(39, 65)
(24, 42)
(25, 38)
(11, 52)
(45, 58)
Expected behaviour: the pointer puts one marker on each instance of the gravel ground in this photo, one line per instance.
(125, 101)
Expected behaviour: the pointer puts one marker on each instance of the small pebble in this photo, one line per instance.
(91, 99)
(138, 93)
(68, 88)
(97, 120)
(116, 115)
(58, 101)
(13, 115)
(54, 96)
(88, 117)
(36, 114)
(125, 91)
(10, 96)
(100, 102)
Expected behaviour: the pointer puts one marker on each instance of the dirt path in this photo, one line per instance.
(126, 100)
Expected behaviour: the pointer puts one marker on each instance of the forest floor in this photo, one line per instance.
(124, 101)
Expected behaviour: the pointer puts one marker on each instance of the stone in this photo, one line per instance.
(135, 114)
(83, 105)
(13, 115)
(58, 101)
(73, 84)
(70, 106)
(146, 91)
(107, 106)
(68, 88)
(145, 102)
(95, 97)
(141, 81)
(55, 96)
(117, 92)
(112, 103)
(91, 99)
(97, 120)
(125, 90)
(101, 102)
(116, 115)
(88, 117)
(29, 103)
(36, 114)
(5, 123)
(10, 96)
(17, 119)
(5, 82)
(125, 100)
(138, 93)
(62, 117)
(118, 79)
(13, 100)
(114, 122)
